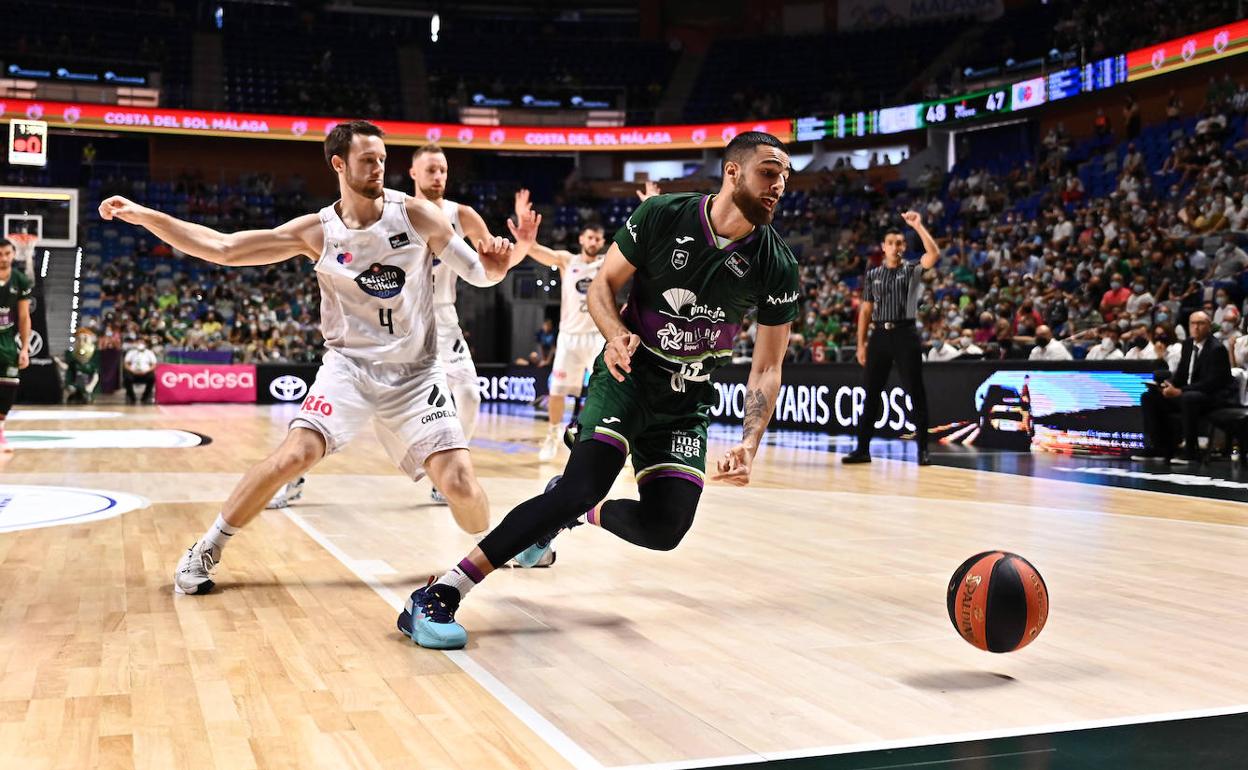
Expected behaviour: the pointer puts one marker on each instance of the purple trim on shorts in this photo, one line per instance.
(672, 473)
(591, 516)
(468, 568)
(611, 440)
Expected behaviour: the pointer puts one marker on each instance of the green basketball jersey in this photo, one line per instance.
(691, 292)
(12, 291)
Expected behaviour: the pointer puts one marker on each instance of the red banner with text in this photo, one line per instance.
(294, 127)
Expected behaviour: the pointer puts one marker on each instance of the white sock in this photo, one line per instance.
(218, 535)
(459, 578)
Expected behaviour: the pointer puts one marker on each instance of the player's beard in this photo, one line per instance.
(751, 208)
(430, 194)
(363, 187)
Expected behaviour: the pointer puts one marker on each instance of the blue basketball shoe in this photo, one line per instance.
(541, 553)
(429, 617)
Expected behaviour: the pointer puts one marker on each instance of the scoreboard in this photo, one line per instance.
(967, 107)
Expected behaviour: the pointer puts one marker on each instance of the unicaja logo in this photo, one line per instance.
(288, 387)
(205, 379)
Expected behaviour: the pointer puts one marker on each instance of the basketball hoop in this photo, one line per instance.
(24, 244)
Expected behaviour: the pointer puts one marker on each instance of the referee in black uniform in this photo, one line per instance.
(890, 301)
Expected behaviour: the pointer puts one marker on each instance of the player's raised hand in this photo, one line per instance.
(619, 354)
(651, 190)
(912, 218)
(117, 207)
(524, 229)
(523, 204)
(734, 467)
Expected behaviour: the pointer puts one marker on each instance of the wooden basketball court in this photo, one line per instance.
(803, 616)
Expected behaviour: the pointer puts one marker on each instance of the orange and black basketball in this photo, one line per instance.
(998, 601)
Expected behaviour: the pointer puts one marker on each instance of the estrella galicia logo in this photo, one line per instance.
(680, 258)
(738, 265)
(382, 281)
(288, 387)
(399, 240)
(582, 286)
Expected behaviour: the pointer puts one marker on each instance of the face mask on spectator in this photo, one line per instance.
(1139, 288)
(1107, 343)
(1123, 323)
(1115, 285)
(1162, 317)
(1221, 300)
(1228, 327)
(1179, 264)
(1140, 342)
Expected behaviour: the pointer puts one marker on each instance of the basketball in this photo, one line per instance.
(998, 601)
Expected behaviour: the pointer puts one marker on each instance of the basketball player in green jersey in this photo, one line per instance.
(15, 290)
(698, 263)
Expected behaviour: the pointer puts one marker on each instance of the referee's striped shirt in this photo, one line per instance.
(894, 292)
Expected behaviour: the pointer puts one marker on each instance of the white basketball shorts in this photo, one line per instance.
(411, 405)
(574, 356)
(453, 351)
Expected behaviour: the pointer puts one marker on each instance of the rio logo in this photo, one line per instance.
(317, 404)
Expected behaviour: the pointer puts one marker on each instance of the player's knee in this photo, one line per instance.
(299, 453)
(675, 523)
(459, 484)
(575, 495)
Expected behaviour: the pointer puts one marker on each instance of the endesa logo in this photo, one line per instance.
(208, 380)
(192, 383)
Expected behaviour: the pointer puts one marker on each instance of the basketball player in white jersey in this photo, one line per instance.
(429, 173)
(579, 341)
(373, 250)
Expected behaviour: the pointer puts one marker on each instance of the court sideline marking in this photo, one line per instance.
(939, 740)
(542, 727)
(580, 758)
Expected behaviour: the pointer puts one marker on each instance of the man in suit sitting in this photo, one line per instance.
(1201, 383)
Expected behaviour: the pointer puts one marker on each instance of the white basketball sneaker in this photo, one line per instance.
(288, 494)
(195, 568)
(550, 446)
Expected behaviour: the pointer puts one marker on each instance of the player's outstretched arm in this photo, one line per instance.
(301, 235)
(761, 391)
(483, 267)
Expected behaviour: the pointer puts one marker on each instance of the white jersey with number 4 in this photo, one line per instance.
(574, 315)
(377, 288)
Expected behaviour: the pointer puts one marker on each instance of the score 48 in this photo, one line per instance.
(974, 106)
